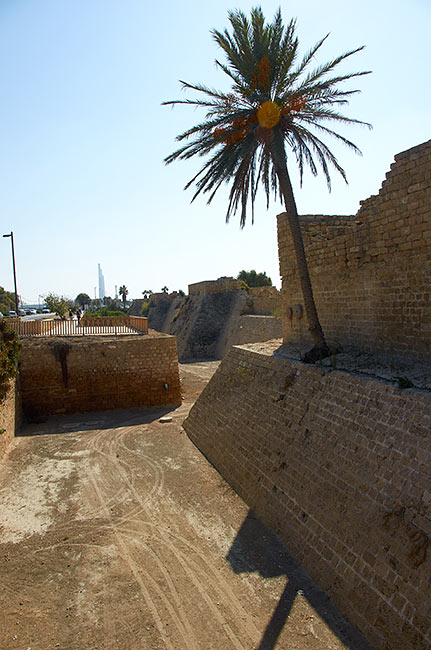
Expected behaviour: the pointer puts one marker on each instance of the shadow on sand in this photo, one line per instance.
(256, 548)
(62, 424)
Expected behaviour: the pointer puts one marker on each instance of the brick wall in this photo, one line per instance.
(371, 272)
(338, 465)
(10, 417)
(67, 375)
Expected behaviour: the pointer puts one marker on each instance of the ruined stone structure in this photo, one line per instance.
(216, 315)
(338, 462)
(371, 273)
(215, 286)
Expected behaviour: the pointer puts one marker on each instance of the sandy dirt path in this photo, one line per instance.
(117, 534)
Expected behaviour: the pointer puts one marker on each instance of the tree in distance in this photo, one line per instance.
(276, 102)
(7, 301)
(165, 289)
(123, 291)
(57, 304)
(82, 299)
(253, 279)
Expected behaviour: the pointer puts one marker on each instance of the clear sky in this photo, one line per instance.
(83, 136)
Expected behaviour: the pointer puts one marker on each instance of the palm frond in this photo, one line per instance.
(261, 62)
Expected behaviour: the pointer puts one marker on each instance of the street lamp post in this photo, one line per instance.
(14, 271)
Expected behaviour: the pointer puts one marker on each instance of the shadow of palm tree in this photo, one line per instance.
(256, 548)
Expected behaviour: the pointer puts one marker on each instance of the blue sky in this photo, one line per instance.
(83, 136)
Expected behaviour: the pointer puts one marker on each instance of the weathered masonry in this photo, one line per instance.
(72, 374)
(10, 417)
(371, 272)
(338, 463)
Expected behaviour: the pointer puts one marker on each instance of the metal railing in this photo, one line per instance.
(88, 326)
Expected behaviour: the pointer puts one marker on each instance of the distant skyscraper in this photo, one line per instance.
(101, 283)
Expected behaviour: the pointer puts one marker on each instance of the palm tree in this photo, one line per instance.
(275, 103)
(123, 291)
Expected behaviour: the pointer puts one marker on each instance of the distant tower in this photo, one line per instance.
(116, 293)
(101, 283)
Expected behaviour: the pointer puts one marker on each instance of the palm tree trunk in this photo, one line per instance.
(320, 349)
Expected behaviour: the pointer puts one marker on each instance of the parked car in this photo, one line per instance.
(1, 315)
(45, 310)
(30, 312)
(12, 313)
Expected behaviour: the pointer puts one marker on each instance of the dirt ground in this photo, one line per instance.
(117, 534)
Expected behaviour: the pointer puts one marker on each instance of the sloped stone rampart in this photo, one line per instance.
(371, 272)
(202, 322)
(162, 311)
(72, 375)
(207, 324)
(338, 465)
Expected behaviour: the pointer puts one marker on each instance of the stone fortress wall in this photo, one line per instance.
(214, 286)
(371, 272)
(73, 375)
(265, 300)
(337, 462)
(216, 315)
(338, 465)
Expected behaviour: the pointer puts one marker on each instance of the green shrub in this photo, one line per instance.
(107, 312)
(145, 309)
(9, 354)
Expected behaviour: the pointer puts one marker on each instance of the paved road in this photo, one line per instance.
(117, 534)
(37, 317)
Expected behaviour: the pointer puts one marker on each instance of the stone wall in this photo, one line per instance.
(265, 300)
(209, 320)
(10, 417)
(214, 286)
(67, 375)
(338, 465)
(371, 273)
(252, 328)
(162, 311)
(136, 306)
(202, 323)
